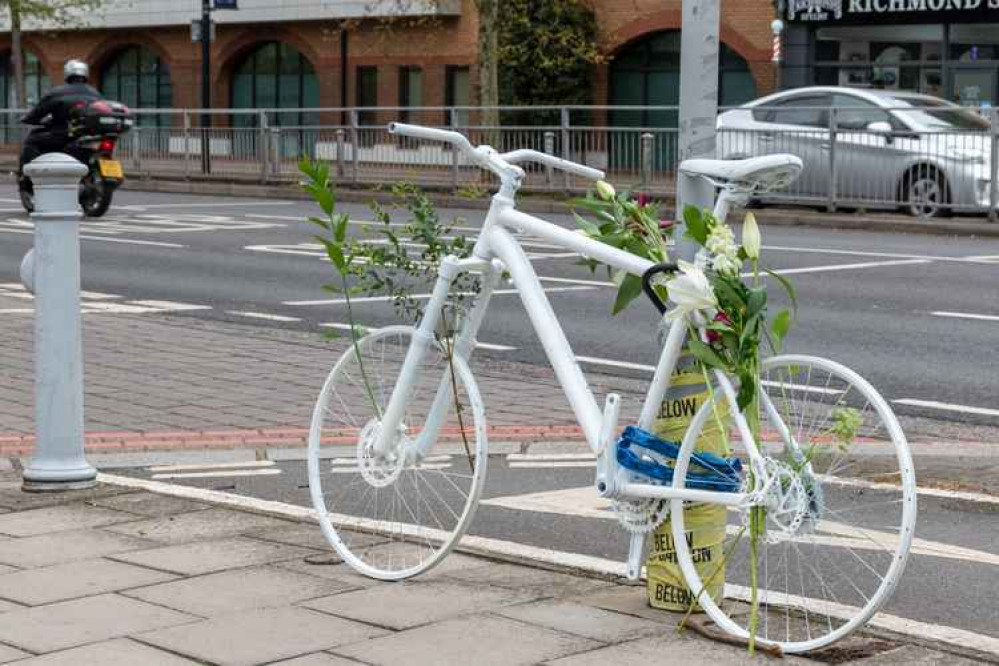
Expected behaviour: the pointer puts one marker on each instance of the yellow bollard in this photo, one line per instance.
(705, 523)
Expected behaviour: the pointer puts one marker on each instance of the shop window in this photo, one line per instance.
(36, 81)
(138, 78)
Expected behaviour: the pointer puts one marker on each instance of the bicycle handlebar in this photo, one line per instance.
(527, 155)
(432, 134)
(487, 158)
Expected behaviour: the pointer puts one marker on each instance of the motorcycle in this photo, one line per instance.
(95, 128)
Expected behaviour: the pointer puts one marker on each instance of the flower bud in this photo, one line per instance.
(605, 190)
(751, 237)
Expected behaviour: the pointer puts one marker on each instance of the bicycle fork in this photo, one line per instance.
(424, 337)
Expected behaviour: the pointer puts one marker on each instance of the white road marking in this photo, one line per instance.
(552, 464)
(424, 297)
(357, 470)
(594, 283)
(532, 555)
(847, 267)
(212, 204)
(126, 241)
(592, 360)
(356, 223)
(219, 474)
(210, 466)
(939, 493)
(894, 255)
(966, 315)
(365, 330)
(948, 407)
(550, 456)
(262, 315)
(173, 306)
(17, 311)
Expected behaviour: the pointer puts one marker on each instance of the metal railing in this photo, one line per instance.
(848, 165)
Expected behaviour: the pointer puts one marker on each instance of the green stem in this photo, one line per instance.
(357, 347)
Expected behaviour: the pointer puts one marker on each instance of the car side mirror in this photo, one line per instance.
(881, 127)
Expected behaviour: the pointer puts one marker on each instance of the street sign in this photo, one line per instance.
(196, 31)
(225, 4)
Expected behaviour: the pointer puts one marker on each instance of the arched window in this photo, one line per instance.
(36, 81)
(275, 76)
(137, 77)
(647, 73)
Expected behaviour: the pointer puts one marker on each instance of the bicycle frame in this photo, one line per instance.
(496, 250)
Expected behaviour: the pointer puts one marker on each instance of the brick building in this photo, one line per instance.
(334, 53)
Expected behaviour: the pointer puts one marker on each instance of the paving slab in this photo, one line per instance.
(117, 652)
(494, 641)
(6, 569)
(203, 557)
(8, 654)
(15, 499)
(208, 524)
(540, 582)
(672, 648)
(319, 659)
(7, 606)
(59, 519)
(70, 623)
(410, 604)
(75, 579)
(629, 600)
(261, 636)
(307, 535)
(238, 590)
(150, 504)
(912, 655)
(580, 620)
(59, 547)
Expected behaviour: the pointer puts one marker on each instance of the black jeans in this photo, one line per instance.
(40, 142)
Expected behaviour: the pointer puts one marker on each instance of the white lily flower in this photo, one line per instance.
(605, 190)
(691, 292)
(726, 265)
(751, 240)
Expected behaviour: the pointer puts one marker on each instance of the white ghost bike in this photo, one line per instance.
(398, 444)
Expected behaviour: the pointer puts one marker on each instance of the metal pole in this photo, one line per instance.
(550, 149)
(833, 169)
(566, 146)
(262, 139)
(53, 269)
(187, 145)
(341, 154)
(994, 165)
(455, 154)
(206, 84)
(354, 144)
(646, 143)
(699, 41)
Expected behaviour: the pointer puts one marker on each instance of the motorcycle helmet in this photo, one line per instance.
(75, 70)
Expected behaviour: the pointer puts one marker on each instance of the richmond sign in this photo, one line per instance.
(900, 11)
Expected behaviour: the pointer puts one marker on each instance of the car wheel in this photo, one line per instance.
(926, 194)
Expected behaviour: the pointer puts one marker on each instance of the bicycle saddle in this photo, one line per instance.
(755, 174)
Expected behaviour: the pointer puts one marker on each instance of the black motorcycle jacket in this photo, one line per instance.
(54, 110)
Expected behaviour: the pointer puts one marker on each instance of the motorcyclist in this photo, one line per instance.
(52, 114)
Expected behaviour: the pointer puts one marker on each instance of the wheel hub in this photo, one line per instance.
(792, 502)
(380, 470)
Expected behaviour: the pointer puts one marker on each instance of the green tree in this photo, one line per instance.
(56, 13)
(547, 51)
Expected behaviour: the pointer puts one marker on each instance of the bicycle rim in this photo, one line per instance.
(392, 517)
(833, 539)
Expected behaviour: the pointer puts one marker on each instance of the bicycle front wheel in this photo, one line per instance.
(395, 514)
(829, 539)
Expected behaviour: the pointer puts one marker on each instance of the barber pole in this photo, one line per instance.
(777, 27)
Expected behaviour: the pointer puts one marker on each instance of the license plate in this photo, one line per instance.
(111, 169)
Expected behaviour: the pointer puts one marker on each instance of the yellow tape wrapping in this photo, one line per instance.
(705, 523)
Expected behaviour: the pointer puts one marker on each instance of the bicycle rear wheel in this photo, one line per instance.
(395, 515)
(835, 528)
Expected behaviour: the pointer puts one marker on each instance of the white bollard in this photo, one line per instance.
(58, 462)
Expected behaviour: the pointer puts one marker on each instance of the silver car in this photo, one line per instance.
(870, 148)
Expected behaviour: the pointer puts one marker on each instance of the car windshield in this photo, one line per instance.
(938, 114)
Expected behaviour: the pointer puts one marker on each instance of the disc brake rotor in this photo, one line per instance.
(380, 470)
